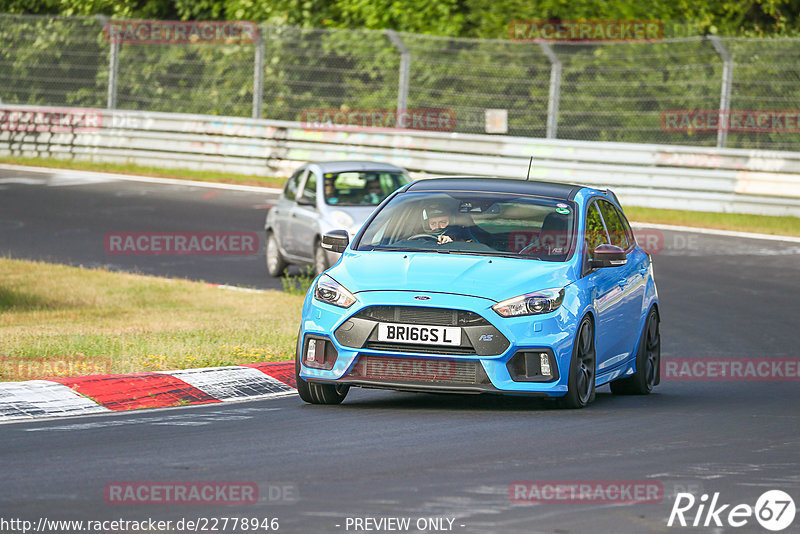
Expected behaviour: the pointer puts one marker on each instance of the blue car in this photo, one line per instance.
(475, 285)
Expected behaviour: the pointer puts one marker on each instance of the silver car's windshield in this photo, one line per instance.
(361, 188)
(495, 224)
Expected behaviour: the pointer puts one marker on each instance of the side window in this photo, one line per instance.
(628, 230)
(310, 190)
(595, 230)
(290, 190)
(616, 230)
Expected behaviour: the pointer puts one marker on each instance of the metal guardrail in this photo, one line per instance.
(662, 176)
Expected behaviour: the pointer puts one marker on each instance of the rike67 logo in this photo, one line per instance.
(774, 510)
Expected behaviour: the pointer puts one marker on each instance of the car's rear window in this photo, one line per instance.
(474, 223)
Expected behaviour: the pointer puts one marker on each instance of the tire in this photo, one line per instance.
(276, 264)
(580, 383)
(320, 259)
(316, 393)
(648, 361)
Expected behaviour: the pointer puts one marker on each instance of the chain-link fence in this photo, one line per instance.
(664, 92)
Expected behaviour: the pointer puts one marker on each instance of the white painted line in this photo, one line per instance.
(712, 231)
(136, 178)
(41, 398)
(233, 383)
(23, 180)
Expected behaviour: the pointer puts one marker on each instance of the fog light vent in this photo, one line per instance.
(319, 353)
(533, 366)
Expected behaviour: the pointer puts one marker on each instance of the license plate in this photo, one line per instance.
(419, 334)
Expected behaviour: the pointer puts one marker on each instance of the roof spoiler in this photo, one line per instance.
(610, 193)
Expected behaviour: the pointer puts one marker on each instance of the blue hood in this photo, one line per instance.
(495, 278)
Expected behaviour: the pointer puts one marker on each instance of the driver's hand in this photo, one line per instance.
(445, 239)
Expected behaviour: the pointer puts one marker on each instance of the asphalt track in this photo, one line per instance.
(386, 454)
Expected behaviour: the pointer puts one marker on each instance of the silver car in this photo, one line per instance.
(320, 197)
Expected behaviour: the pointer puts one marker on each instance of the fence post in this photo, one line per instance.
(113, 66)
(113, 75)
(555, 90)
(403, 74)
(725, 92)
(258, 75)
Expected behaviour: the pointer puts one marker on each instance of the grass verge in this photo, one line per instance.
(88, 321)
(760, 224)
(119, 168)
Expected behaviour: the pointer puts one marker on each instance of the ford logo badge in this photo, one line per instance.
(422, 297)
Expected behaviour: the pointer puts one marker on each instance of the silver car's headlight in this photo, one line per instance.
(535, 303)
(330, 291)
(341, 219)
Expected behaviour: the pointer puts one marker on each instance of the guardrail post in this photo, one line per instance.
(725, 92)
(403, 73)
(555, 90)
(258, 76)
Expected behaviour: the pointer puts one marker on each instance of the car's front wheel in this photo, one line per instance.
(316, 393)
(648, 360)
(580, 383)
(275, 262)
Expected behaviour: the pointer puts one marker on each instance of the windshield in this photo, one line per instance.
(361, 188)
(492, 224)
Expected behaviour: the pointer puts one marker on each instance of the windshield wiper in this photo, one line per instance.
(402, 249)
(496, 254)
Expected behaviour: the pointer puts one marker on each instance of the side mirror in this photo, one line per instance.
(336, 241)
(304, 201)
(608, 256)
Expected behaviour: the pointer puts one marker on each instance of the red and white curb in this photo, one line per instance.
(161, 389)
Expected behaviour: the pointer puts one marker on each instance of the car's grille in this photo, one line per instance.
(382, 368)
(422, 349)
(422, 315)
(478, 336)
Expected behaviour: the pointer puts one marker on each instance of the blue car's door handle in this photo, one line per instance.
(643, 271)
(622, 282)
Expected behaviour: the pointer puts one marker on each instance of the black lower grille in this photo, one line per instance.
(382, 368)
(418, 348)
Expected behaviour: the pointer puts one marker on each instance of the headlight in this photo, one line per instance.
(330, 291)
(536, 303)
(341, 219)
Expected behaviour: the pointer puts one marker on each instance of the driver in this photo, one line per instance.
(437, 221)
(374, 192)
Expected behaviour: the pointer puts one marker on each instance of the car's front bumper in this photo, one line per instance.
(550, 334)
